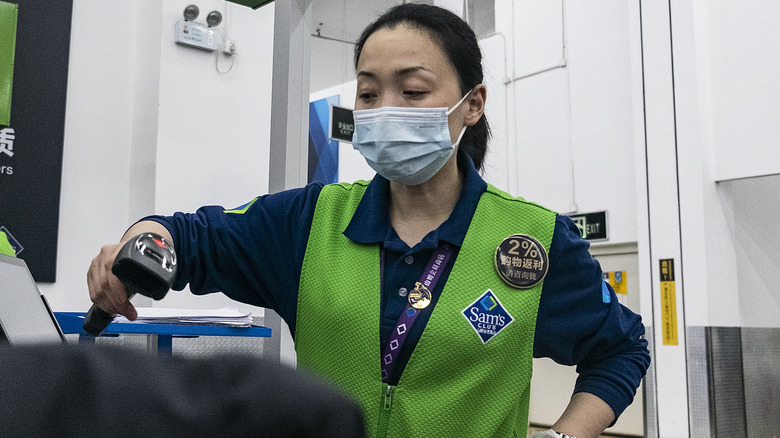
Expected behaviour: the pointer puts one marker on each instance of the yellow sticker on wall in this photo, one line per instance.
(617, 280)
(668, 303)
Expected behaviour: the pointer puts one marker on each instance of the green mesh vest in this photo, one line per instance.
(454, 385)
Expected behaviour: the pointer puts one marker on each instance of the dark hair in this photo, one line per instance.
(459, 44)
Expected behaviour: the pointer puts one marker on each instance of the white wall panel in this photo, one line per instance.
(542, 133)
(727, 249)
(538, 35)
(753, 231)
(214, 128)
(152, 127)
(97, 144)
(572, 122)
(602, 129)
(495, 65)
(336, 24)
(744, 64)
(710, 259)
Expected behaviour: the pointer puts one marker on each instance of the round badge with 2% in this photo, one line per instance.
(521, 261)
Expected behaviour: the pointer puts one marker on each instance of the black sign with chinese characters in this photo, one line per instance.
(31, 147)
(342, 125)
(667, 269)
(521, 261)
(592, 226)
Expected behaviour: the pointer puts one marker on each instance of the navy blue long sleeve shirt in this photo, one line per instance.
(254, 254)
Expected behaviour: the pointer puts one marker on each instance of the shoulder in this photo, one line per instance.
(567, 238)
(572, 267)
(345, 187)
(341, 193)
(524, 216)
(497, 193)
(500, 195)
(292, 197)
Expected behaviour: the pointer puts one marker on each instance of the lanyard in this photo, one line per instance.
(418, 299)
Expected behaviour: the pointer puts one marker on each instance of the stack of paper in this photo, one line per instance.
(226, 316)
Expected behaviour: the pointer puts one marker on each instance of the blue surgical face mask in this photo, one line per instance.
(405, 144)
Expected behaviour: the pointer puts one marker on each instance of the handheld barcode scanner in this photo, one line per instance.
(146, 264)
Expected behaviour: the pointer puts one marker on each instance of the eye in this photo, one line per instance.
(414, 93)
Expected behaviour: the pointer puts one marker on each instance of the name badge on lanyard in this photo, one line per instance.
(419, 298)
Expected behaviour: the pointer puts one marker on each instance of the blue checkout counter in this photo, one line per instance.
(73, 322)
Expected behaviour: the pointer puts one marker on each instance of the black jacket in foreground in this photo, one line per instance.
(90, 391)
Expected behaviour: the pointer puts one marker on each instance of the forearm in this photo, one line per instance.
(586, 416)
(147, 227)
(252, 255)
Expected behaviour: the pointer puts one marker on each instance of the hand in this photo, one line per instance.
(105, 289)
(586, 416)
(549, 433)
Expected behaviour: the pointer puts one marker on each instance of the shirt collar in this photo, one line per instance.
(370, 223)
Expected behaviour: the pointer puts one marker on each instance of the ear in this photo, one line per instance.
(475, 104)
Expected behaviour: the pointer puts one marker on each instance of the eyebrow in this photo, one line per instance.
(401, 72)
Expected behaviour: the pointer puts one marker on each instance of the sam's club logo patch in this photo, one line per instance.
(487, 316)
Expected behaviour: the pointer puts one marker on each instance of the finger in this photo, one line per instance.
(128, 310)
(92, 280)
(118, 291)
(105, 290)
(99, 291)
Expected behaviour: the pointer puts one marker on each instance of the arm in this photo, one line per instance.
(252, 254)
(581, 323)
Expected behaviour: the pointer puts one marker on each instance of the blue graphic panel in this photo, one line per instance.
(323, 152)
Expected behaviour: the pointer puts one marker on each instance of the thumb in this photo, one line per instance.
(128, 310)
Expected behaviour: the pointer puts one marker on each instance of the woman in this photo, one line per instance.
(426, 292)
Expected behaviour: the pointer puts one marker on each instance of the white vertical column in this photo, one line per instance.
(290, 95)
(659, 232)
(289, 119)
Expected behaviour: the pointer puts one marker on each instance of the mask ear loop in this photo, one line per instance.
(462, 131)
(449, 111)
(457, 142)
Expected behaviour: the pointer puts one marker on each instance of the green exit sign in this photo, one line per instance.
(592, 226)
